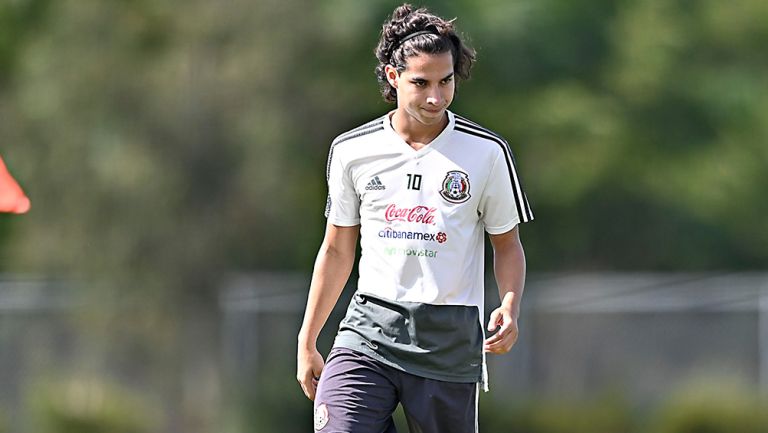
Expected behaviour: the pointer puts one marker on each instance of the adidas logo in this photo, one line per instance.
(375, 185)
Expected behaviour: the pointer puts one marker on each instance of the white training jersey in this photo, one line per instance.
(423, 212)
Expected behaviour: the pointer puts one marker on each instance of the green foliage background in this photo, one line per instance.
(165, 143)
(186, 140)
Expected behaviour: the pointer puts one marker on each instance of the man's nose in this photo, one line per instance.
(434, 96)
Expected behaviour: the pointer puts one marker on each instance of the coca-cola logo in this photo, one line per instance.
(416, 214)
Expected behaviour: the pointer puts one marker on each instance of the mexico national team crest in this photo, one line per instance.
(321, 417)
(455, 187)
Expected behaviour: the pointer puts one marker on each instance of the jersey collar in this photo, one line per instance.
(435, 143)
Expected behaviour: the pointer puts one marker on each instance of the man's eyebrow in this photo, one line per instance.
(442, 79)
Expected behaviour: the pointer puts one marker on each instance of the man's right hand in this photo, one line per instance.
(309, 366)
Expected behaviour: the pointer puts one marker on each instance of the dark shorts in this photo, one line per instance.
(358, 394)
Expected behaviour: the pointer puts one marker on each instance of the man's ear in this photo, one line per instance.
(392, 75)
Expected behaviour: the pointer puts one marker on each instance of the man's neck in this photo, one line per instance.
(415, 133)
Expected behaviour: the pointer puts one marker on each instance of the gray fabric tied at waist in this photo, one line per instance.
(442, 342)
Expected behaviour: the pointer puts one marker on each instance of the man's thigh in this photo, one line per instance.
(433, 406)
(355, 395)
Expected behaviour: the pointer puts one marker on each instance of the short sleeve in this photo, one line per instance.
(503, 204)
(343, 205)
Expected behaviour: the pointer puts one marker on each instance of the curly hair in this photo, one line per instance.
(411, 32)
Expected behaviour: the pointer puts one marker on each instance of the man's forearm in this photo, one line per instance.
(332, 268)
(509, 269)
(510, 277)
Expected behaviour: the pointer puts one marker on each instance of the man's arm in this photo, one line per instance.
(509, 268)
(332, 268)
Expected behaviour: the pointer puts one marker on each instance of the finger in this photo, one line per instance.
(493, 345)
(494, 338)
(499, 340)
(506, 329)
(502, 345)
(311, 389)
(493, 320)
(309, 386)
(498, 348)
(317, 371)
(305, 390)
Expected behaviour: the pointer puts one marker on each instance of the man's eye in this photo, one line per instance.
(447, 80)
(419, 83)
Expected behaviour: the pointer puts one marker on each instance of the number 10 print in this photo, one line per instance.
(414, 182)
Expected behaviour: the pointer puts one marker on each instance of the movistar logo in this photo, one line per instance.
(415, 252)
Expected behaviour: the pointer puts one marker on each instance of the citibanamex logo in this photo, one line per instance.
(416, 214)
(441, 237)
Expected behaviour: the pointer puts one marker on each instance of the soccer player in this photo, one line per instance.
(418, 186)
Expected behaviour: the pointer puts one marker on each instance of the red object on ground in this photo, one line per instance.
(12, 197)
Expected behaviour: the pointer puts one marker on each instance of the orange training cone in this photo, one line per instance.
(12, 197)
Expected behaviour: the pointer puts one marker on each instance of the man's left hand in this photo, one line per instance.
(502, 341)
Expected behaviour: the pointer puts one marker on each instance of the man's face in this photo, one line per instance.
(425, 89)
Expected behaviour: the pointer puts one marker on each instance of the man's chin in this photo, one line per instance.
(430, 118)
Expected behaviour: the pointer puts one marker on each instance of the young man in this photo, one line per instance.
(419, 186)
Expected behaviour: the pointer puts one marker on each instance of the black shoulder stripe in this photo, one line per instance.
(490, 135)
(466, 122)
(521, 202)
(368, 128)
(341, 139)
(371, 124)
(359, 133)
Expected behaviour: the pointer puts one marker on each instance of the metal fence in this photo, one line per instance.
(640, 334)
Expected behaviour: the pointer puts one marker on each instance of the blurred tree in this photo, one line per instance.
(188, 141)
(639, 128)
(165, 144)
(18, 21)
